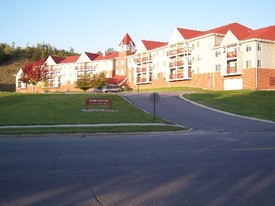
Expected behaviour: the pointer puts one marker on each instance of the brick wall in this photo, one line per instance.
(249, 79)
(266, 78)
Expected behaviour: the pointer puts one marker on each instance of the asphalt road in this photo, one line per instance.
(211, 165)
(175, 109)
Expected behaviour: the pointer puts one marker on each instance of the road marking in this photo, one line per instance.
(254, 149)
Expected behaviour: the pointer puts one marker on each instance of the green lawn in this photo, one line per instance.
(258, 104)
(35, 109)
(51, 109)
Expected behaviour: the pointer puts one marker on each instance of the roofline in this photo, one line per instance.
(257, 40)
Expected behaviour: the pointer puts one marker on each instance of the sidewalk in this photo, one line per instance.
(87, 125)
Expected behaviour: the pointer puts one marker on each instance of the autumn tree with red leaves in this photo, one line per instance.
(34, 72)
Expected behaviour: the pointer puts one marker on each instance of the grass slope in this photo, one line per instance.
(258, 104)
(7, 71)
(33, 109)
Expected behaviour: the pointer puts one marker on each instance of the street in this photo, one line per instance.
(210, 165)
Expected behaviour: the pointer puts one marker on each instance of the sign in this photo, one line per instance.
(154, 98)
(98, 101)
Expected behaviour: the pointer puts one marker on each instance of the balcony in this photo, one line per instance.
(138, 60)
(147, 59)
(180, 50)
(171, 52)
(176, 76)
(142, 81)
(172, 64)
(139, 70)
(231, 70)
(51, 76)
(143, 59)
(180, 63)
(231, 54)
(180, 74)
(183, 50)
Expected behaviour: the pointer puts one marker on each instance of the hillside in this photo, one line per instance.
(7, 71)
(12, 58)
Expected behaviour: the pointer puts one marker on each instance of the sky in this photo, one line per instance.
(96, 25)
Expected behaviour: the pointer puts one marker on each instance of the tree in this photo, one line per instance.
(34, 72)
(84, 83)
(99, 80)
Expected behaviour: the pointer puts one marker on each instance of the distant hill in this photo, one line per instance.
(12, 58)
(8, 69)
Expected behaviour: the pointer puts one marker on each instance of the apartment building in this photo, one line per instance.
(229, 57)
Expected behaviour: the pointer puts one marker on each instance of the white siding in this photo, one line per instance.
(204, 51)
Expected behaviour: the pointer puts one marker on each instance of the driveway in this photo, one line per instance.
(225, 160)
(175, 109)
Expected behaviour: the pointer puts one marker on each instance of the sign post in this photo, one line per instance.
(154, 98)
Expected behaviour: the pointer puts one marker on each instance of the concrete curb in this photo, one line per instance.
(86, 125)
(223, 112)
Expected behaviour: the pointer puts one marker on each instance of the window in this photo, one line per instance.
(217, 53)
(198, 44)
(259, 63)
(248, 64)
(259, 47)
(218, 67)
(122, 63)
(248, 48)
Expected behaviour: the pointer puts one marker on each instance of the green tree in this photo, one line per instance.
(99, 80)
(84, 83)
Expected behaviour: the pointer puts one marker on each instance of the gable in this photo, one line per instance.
(19, 73)
(83, 58)
(229, 38)
(141, 48)
(176, 37)
(127, 40)
(50, 61)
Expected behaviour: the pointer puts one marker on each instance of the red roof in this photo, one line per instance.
(69, 59)
(267, 33)
(110, 55)
(149, 45)
(92, 56)
(237, 29)
(188, 33)
(117, 79)
(126, 40)
(57, 59)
